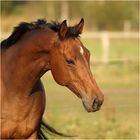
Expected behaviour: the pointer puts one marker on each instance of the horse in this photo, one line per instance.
(27, 54)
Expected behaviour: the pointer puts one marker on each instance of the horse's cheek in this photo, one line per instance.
(58, 71)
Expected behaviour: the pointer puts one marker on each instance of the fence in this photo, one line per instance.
(105, 39)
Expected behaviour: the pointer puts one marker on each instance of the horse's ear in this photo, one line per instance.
(79, 26)
(63, 30)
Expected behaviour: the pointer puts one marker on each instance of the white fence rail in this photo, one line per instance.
(105, 40)
(112, 34)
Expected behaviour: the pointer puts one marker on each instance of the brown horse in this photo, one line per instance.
(30, 51)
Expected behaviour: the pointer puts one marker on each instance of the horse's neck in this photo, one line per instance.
(24, 63)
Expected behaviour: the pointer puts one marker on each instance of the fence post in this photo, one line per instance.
(105, 47)
(64, 10)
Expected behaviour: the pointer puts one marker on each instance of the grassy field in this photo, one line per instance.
(119, 48)
(119, 116)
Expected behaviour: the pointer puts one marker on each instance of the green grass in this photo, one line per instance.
(94, 46)
(119, 116)
(116, 75)
(118, 48)
(124, 49)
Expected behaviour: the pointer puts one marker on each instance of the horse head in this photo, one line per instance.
(70, 66)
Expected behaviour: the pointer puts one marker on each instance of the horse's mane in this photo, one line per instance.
(24, 27)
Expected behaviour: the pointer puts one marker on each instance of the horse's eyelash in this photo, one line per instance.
(70, 61)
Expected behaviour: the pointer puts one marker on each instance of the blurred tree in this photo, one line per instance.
(99, 15)
(8, 7)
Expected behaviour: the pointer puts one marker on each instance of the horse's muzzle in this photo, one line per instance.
(92, 106)
(96, 104)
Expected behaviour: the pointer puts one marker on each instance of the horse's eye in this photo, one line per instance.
(70, 61)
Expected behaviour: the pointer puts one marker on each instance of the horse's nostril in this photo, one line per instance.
(100, 102)
(96, 104)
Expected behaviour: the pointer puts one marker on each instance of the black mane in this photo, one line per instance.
(39, 24)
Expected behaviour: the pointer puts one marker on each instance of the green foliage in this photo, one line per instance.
(9, 7)
(100, 15)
